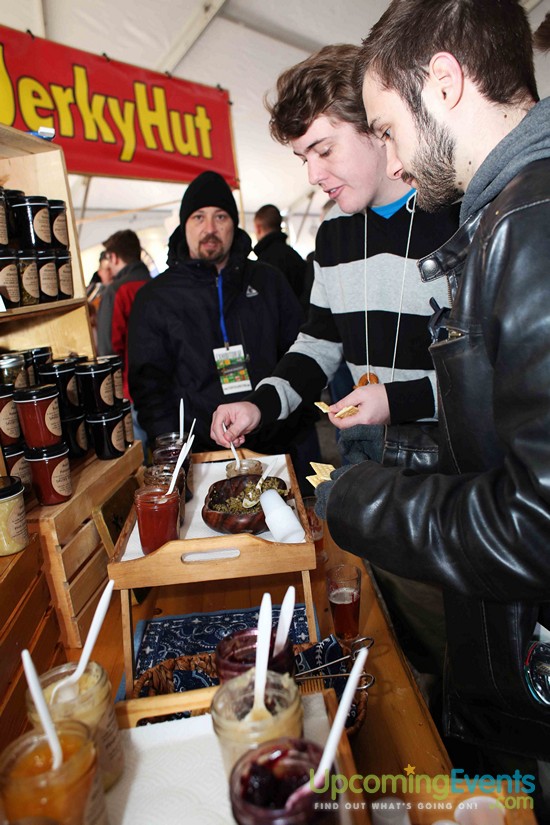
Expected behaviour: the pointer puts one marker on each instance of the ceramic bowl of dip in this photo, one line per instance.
(221, 510)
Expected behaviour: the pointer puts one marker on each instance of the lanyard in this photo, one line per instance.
(222, 317)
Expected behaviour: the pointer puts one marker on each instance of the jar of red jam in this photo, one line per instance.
(17, 465)
(51, 473)
(95, 383)
(236, 653)
(38, 411)
(61, 372)
(107, 434)
(157, 514)
(10, 431)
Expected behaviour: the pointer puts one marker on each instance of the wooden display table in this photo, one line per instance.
(211, 557)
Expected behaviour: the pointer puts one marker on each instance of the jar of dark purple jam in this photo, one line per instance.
(51, 473)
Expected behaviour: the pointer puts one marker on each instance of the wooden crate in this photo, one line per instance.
(27, 621)
(75, 560)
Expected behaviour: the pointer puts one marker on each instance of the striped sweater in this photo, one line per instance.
(335, 327)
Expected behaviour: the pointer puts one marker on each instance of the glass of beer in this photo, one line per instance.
(344, 595)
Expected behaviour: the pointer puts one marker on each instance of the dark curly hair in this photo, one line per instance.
(320, 85)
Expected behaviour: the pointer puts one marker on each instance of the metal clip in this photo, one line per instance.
(355, 647)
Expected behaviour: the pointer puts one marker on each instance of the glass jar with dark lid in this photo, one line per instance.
(51, 473)
(107, 434)
(10, 431)
(9, 279)
(9, 195)
(38, 411)
(47, 275)
(64, 274)
(41, 355)
(17, 465)
(127, 422)
(74, 434)
(115, 362)
(28, 277)
(61, 372)
(31, 216)
(12, 370)
(14, 534)
(95, 384)
(58, 223)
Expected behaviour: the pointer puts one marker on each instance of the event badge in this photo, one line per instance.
(232, 370)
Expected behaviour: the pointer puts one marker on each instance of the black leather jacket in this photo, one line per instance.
(480, 526)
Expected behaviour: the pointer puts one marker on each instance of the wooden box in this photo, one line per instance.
(28, 621)
(75, 559)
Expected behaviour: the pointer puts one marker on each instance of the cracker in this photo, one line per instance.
(322, 470)
(344, 413)
(315, 480)
(322, 406)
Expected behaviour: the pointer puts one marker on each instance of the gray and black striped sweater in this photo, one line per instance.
(335, 327)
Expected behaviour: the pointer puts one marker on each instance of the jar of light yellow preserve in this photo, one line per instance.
(233, 702)
(91, 704)
(14, 535)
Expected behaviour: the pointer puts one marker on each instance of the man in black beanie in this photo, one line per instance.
(211, 326)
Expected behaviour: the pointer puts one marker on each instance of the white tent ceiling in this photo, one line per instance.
(242, 45)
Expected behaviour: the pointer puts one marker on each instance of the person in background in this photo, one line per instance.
(212, 326)
(99, 282)
(123, 251)
(273, 248)
(449, 86)
(368, 304)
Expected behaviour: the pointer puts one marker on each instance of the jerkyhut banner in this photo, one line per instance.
(112, 118)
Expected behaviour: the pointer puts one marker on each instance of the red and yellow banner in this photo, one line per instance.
(112, 118)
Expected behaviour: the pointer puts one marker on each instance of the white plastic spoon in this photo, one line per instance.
(42, 709)
(233, 450)
(66, 689)
(249, 502)
(285, 619)
(181, 419)
(263, 643)
(192, 428)
(331, 746)
(179, 463)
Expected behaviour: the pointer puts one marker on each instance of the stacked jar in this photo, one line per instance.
(45, 451)
(62, 373)
(35, 261)
(102, 407)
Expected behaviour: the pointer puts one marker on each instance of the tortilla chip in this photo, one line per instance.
(347, 411)
(322, 470)
(322, 406)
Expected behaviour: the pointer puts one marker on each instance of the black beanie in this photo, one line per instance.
(209, 189)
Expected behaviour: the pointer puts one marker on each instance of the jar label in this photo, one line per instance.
(61, 478)
(128, 428)
(65, 275)
(10, 281)
(81, 437)
(117, 384)
(29, 279)
(106, 390)
(22, 469)
(117, 437)
(52, 418)
(31, 375)
(3, 226)
(48, 279)
(9, 420)
(41, 223)
(17, 523)
(60, 229)
(72, 391)
(21, 379)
